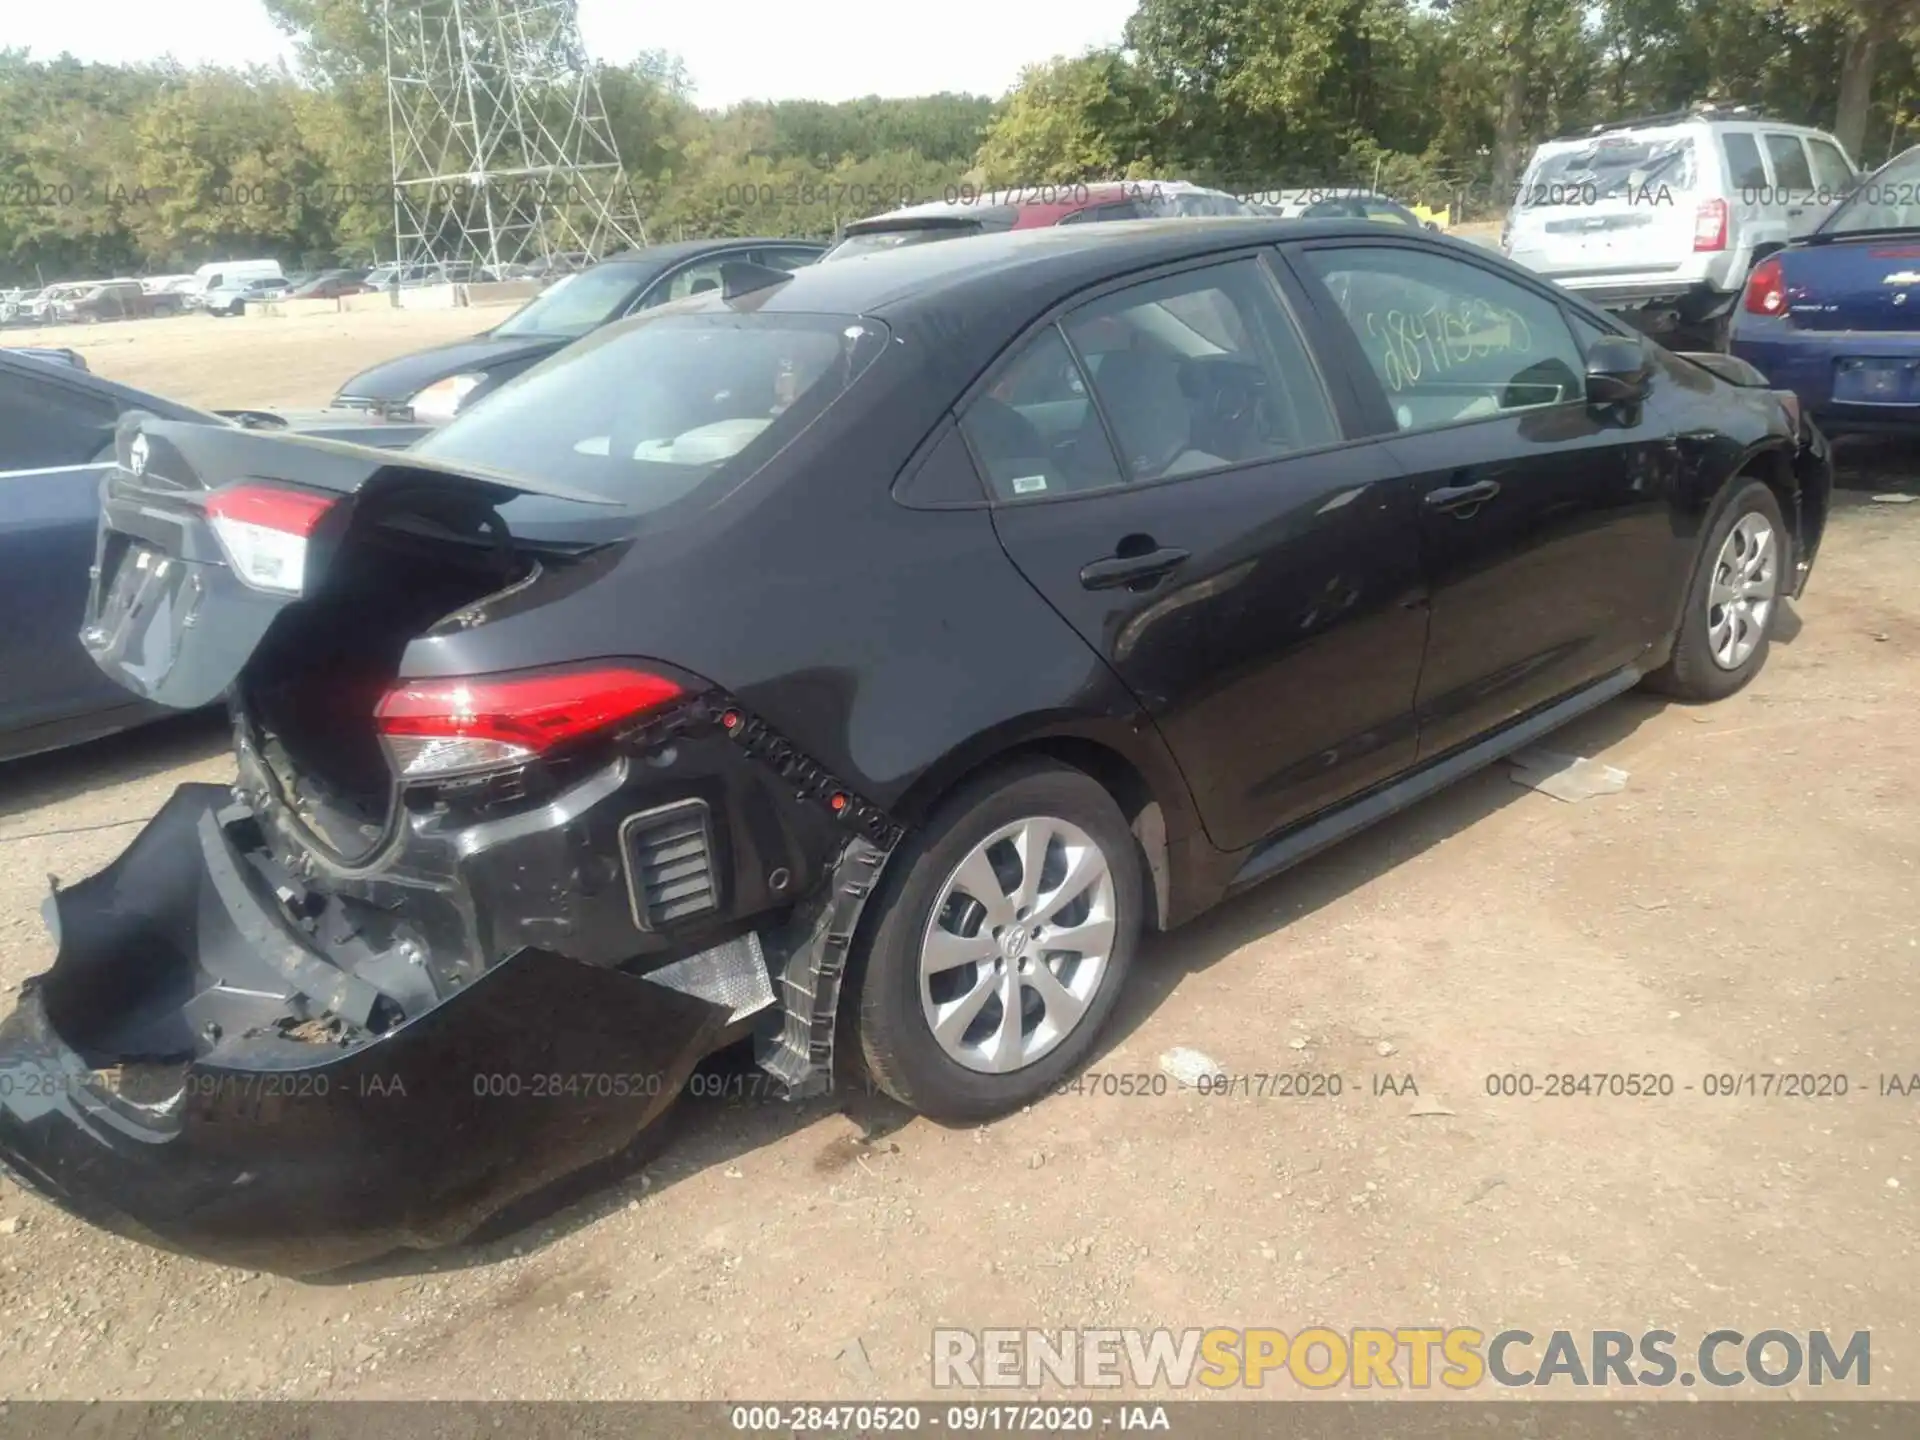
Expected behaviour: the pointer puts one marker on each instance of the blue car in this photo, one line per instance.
(57, 424)
(1835, 317)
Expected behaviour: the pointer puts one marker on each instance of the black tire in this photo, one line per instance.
(896, 1041)
(1691, 673)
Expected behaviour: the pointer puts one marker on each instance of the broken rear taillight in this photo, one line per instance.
(478, 722)
(264, 531)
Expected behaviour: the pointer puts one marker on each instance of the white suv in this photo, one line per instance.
(1664, 217)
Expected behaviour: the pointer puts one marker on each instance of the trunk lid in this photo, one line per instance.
(209, 533)
(1869, 283)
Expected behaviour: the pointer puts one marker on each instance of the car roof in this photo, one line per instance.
(676, 251)
(1033, 205)
(961, 301)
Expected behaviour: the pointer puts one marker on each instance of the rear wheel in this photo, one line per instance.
(1004, 936)
(1737, 585)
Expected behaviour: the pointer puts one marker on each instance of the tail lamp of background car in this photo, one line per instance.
(444, 727)
(1766, 288)
(265, 531)
(1710, 226)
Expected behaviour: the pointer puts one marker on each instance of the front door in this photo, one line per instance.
(1544, 521)
(1171, 471)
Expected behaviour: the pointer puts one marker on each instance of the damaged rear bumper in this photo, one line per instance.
(149, 1082)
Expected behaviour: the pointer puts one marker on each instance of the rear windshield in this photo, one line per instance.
(645, 411)
(1889, 200)
(1612, 167)
(874, 241)
(577, 303)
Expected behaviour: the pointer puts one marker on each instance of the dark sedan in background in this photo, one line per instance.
(867, 652)
(1835, 317)
(56, 441)
(435, 385)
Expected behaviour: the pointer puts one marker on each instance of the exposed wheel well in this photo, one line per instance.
(1775, 471)
(1116, 774)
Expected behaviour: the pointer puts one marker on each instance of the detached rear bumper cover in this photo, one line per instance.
(269, 1152)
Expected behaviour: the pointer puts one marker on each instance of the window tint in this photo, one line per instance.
(1830, 169)
(693, 280)
(1585, 332)
(1790, 170)
(48, 425)
(1034, 433)
(1449, 341)
(1201, 370)
(1749, 172)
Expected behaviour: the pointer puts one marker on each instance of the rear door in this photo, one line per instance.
(1793, 179)
(1756, 221)
(56, 440)
(1544, 524)
(1171, 470)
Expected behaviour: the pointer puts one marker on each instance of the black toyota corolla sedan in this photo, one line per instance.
(856, 659)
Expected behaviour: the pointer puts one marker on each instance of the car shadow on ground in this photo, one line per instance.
(726, 1113)
(58, 777)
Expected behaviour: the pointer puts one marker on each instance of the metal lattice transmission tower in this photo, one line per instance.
(502, 150)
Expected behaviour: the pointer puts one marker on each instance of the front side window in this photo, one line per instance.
(1449, 341)
(576, 303)
(695, 279)
(1831, 172)
(648, 411)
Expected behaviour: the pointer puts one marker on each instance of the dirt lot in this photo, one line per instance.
(1745, 904)
(247, 362)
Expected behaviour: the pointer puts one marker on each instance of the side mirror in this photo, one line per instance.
(1617, 371)
(1433, 225)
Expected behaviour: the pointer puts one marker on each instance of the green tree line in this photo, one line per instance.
(152, 168)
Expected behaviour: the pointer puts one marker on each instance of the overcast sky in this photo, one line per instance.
(737, 50)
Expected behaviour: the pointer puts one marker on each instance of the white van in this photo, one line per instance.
(1664, 217)
(217, 273)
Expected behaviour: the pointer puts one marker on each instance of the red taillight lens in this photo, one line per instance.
(440, 727)
(1710, 226)
(264, 531)
(1767, 288)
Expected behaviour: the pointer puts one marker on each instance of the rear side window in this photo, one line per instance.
(1744, 166)
(647, 411)
(1450, 342)
(1790, 171)
(1831, 172)
(50, 425)
(1034, 432)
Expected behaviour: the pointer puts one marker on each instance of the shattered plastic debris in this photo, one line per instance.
(1188, 1066)
(1895, 498)
(1572, 778)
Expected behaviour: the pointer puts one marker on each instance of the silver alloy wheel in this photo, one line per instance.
(1018, 944)
(1740, 602)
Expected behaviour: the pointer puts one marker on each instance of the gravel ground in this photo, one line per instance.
(1744, 904)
